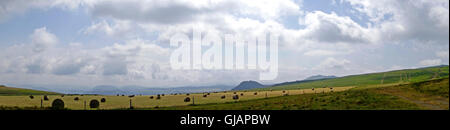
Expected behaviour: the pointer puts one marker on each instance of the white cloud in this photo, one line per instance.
(442, 54)
(408, 20)
(41, 39)
(119, 28)
(332, 63)
(331, 28)
(13, 7)
(431, 62)
(320, 53)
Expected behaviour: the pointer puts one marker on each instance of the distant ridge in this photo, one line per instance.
(317, 77)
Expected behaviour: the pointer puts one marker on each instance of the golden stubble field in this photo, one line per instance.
(123, 102)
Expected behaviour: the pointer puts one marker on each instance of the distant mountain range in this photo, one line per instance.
(318, 77)
(246, 85)
(136, 90)
(127, 90)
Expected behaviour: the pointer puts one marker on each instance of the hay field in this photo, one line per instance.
(123, 102)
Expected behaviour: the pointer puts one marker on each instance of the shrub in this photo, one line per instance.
(31, 97)
(285, 94)
(205, 95)
(131, 96)
(255, 93)
(62, 95)
(162, 94)
(117, 95)
(235, 97)
(103, 100)
(187, 99)
(242, 94)
(76, 99)
(58, 104)
(151, 97)
(234, 92)
(45, 98)
(208, 94)
(187, 94)
(223, 97)
(94, 103)
(284, 91)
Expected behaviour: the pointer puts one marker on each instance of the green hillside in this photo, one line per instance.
(391, 77)
(427, 95)
(9, 91)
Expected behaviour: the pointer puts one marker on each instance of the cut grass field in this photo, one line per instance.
(123, 102)
(427, 95)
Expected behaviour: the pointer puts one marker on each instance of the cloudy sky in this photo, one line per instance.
(126, 42)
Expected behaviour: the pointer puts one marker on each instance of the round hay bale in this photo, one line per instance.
(223, 97)
(76, 99)
(234, 92)
(94, 103)
(117, 95)
(187, 99)
(45, 98)
(242, 94)
(151, 97)
(158, 97)
(235, 97)
(31, 97)
(58, 104)
(284, 91)
(103, 100)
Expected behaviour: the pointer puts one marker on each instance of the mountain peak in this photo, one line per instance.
(248, 85)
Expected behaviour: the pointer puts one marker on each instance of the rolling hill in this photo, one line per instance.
(6, 91)
(245, 85)
(391, 77)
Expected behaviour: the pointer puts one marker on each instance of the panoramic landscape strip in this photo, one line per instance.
(411, 89)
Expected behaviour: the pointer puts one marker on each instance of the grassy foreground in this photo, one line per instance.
(428, 95)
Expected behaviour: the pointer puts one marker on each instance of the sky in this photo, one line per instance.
(117, 42)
